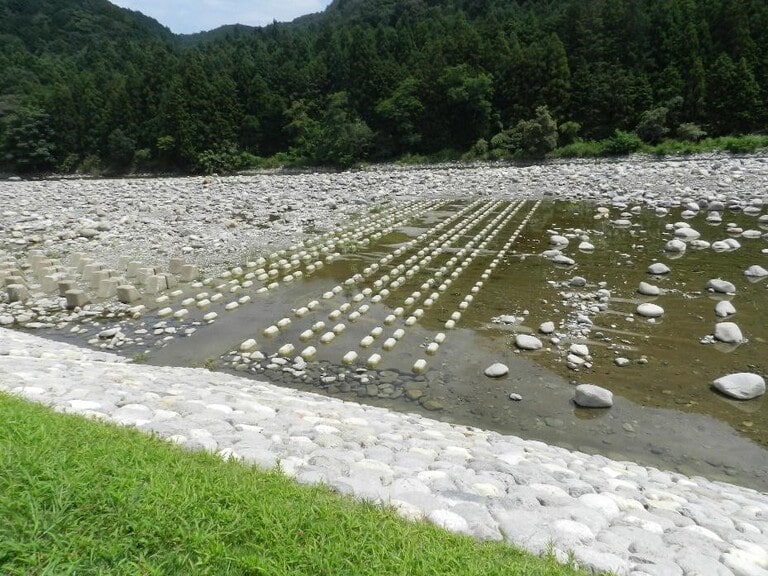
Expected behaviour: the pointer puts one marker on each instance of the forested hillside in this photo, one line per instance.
(85, 85)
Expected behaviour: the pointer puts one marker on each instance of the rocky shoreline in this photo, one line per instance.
(609, 515)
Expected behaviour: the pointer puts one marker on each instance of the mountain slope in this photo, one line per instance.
(87, 85)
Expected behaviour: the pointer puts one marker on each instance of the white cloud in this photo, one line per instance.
(187, 16)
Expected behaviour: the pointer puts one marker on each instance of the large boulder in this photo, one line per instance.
(591, 396)
(741, 385)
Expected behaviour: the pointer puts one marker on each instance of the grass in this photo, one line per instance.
(83, 497)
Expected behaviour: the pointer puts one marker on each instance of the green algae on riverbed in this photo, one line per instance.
(669, 370)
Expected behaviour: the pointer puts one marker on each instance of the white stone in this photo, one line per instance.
(496, 370)
(591, 396)
(724, 308)
(658, 268)
(449, 521)
(721, 286)
(675, 245)
(528, 342)
(756, 271)
(728, 332)
(647, 289)
(741, 385)
(547, 327)
(649, 310)
(579, 349)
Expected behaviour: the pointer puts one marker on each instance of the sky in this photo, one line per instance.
(189, 16)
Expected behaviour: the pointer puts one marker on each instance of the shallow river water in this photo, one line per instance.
(479, 268)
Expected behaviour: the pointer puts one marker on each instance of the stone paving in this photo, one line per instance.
(608, 515)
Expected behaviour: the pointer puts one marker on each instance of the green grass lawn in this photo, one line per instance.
(82, 497)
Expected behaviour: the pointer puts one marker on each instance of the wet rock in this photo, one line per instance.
(741, 385)
(647, 289)
(430, 404)
(527, 342)
(563, 260)
(496, 370)
(686, 233)
(547, 327)
(579, 350)
(591, 396)
(515, 396)
(578, 282)
(658, 268)
(649, 310)
(756, 271)
(728, 332)
(675, 245)
(724, 308)
(721, 286)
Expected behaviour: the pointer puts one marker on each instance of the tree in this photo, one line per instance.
(401, 112)
(468, 100)
(537, 136)
(653, 125)
(120, 150)
(26, 140)
(732, 97)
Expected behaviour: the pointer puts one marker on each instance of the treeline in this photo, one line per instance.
(85, 85)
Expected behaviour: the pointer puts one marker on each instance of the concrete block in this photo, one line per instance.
(97, 276)
(89, 269)
(50, 282)
(76, 258)
(189, 273)
(175, 265)
(65, 286)
(132, 268)
(155, 284)
(170, 280)
(17, 293)
(76, 298)
(143, 273)
(107, 287)
(82, 263)
(128, 294)
(40, 265)
(13, 279)
(34, 257)
(122, 263)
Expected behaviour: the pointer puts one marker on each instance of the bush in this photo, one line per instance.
(690, 132)
(581, 149)
(569, 132)
(535, 137)
(91, 164)
(622, 143)
(744, 144)
(653, 125)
